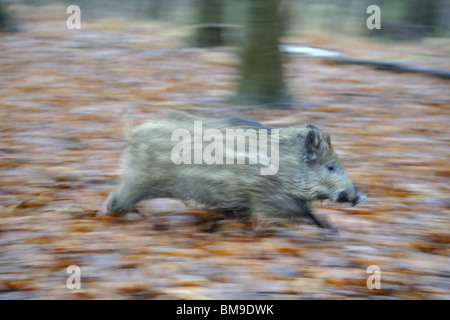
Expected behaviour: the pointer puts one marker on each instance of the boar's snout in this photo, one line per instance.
(343, 197)
(359, 197)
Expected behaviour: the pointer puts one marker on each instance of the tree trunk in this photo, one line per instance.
(209, 32)
(3, 16)
(423, 14)
(262, 79)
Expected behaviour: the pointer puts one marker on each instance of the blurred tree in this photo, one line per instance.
(7, 22)
(155, 9)
(158, 9)
(423, 14)
(262, 79)
(209, 32)
(412, 19)
(3, 16)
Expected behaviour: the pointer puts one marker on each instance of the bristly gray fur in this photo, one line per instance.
(304, 175)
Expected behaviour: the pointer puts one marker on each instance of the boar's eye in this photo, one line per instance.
(331, 167)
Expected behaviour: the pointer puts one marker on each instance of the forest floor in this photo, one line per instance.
(61, 137)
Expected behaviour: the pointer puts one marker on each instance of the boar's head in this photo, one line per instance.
(327, 178)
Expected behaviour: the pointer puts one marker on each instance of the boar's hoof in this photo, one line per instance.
(330, 233)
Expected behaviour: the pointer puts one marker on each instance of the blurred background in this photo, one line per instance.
(383, 94)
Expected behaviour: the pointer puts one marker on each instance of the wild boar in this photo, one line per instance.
(169, 157)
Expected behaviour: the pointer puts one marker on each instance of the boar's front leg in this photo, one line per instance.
(306, 211)
(289, 207)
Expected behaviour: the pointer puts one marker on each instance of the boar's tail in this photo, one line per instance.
(127, 122)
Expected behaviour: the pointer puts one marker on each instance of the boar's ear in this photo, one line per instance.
(313, 144)
(328, 140)
(311, 126)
